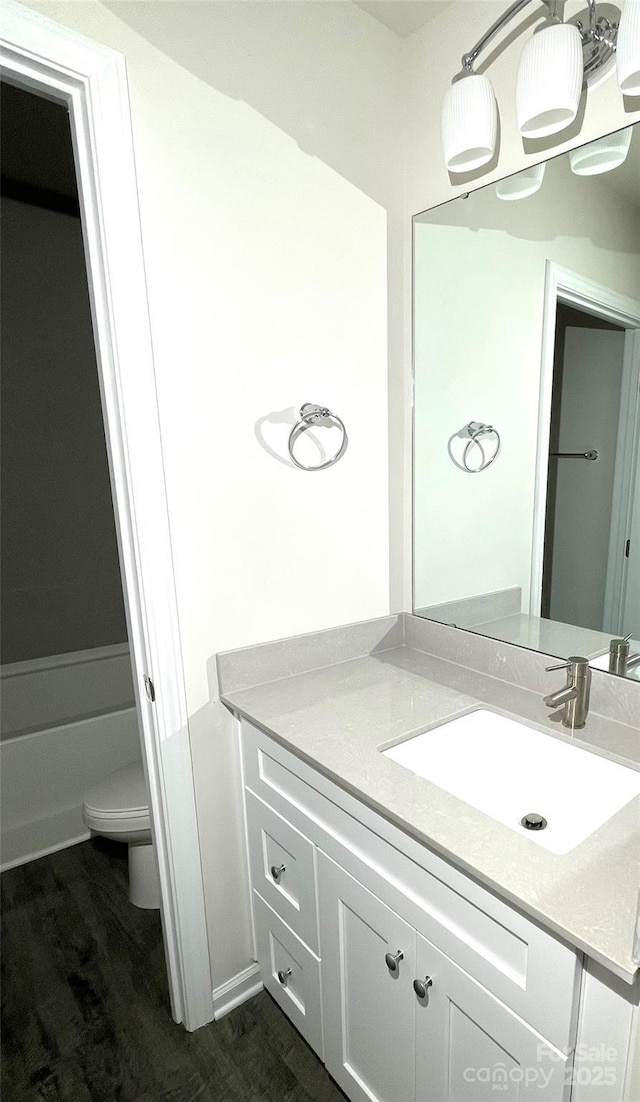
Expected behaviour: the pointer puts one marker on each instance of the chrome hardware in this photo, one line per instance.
(575, 694)
(422, 986)
(476, 431)
(149, 689)
(284, 976)
(311, 415)
(469, 58)
(533, 821)
(620, 660)
(392, 960)
(593, 455)
(277, 871)
(598, 28)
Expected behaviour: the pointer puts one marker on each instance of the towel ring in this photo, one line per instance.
(311, 415)
(477, 430)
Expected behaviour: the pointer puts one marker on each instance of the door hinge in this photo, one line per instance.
(627, 548)
(148, 688)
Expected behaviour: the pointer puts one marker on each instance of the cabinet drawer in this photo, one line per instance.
(282, 863)
(290, 973)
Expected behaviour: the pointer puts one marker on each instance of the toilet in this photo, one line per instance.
(118, 808)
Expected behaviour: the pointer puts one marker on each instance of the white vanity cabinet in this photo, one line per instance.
(349, 912)
(446, 1039)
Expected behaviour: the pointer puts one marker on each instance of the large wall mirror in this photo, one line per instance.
(527, 407)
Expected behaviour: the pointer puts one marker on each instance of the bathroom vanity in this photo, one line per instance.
(425, 950)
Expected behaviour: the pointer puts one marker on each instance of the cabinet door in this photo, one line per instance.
(471, 1048)
(369, 1015)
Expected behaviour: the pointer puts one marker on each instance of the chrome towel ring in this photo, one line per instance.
(311, 415)
(477, 430)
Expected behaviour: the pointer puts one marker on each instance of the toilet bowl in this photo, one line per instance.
(118, 808)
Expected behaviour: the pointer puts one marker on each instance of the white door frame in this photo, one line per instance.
(630, 602)
(563, 285)
(623, 486)
(52, 60)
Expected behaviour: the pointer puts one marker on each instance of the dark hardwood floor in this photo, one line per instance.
(85, 1006)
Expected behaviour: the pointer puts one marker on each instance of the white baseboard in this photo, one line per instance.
(236, 991)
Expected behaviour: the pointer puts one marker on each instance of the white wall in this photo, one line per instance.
(268, 141)
(479, 294)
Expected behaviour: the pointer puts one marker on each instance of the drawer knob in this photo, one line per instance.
(277, 871)
(284, 976)
(422, 986)
(392, 960)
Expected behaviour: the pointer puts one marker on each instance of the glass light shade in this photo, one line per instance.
(549, 81)
(628, 49)
(469, 123)
(602, 155)
(521, 185)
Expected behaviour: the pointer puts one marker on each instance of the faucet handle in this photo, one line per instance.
(574, 662)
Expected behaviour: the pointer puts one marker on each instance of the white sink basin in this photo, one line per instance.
(508, 770)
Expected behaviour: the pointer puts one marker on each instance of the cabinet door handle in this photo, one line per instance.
(422, 986)
(284, 976)
(392, 960)
(277, 871)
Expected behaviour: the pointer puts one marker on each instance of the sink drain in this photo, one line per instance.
(533, 821)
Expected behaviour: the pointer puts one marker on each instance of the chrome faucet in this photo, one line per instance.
(575, 694)
(620, 661)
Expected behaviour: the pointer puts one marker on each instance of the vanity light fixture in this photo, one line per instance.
(549, 80)
(522, 184)
(555, 64)
(602, 155)
(469, 123)
(628, 51)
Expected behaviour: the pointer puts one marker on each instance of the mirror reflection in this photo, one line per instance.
(527, 413)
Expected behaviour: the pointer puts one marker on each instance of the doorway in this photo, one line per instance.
(585, 415)
(585, 566)
(69, 715)
(90, 79)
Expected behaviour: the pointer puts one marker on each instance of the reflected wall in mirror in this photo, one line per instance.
(527, 322)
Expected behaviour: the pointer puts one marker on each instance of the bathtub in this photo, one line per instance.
(46, 768)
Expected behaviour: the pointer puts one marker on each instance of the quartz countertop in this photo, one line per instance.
(339, 716)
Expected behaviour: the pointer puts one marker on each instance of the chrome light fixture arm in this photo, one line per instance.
(469, 58)
(600, 29)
